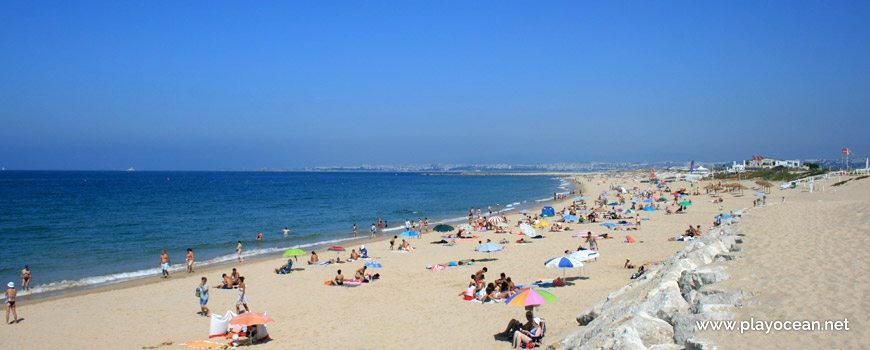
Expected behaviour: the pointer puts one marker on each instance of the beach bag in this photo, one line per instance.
(198, 292)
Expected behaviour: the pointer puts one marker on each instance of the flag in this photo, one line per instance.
(753, 158)
(847, 152)
(692, 167)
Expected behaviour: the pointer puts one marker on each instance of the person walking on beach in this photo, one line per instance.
(26, 276)
(407, 225)
(164, 263)
(189, 260)
(354, 230)
(243, 298)
(10, 302)
(373, 231)
(286, 231)
(426, 224)
(393, 242)
(203, 297)
(239, 251)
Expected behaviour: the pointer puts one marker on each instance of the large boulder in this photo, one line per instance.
(700, 277)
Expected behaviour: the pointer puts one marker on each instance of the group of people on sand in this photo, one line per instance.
(358, 276)
(688, 235)
(519, 333)
(405, 246)
(496, 290)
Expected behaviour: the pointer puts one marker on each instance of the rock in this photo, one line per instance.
(651, 330)
(590, 314)
(725, 257)
(727, 298)
(699, 344)
(666, 347)
(700, 277)
(665, 301)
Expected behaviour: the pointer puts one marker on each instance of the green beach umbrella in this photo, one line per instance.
(294, 252)
(443, 228)
(685, 204)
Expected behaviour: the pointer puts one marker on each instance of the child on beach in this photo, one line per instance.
(393, 242)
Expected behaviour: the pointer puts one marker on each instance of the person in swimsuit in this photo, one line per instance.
(313, 258)
(373, 231)
(239, 251)
(354, 231)
(393, 242)
(25, 278)
(235, 276)
(243, 298)
(287, 230)
(203, 297)
(164, 263)
(227, 283)
(339, 278)
(189, 260)
(10, 302)
(259, 236)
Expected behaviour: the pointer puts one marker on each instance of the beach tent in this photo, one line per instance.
(548, 211)
(220, 325)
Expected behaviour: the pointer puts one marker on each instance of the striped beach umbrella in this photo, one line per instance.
(563, 262)
(531, 297)
(495, 220)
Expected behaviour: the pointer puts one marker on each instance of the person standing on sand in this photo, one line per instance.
(10, 302)
(373, 231)
(286, 231)
(203, 297)
(239, 251)
(783, 200)
(354, 230)
(26, 276)
(498, 208)
(243, 297)
(164, 263)
(426, 224)
(189, 260)
(478, 213)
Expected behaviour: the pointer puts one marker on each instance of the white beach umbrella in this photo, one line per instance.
(528, 230)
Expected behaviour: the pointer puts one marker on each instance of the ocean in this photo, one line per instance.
(79, 229)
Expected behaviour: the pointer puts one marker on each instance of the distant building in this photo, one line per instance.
(760, 162)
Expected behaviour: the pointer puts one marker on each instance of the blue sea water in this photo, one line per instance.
(84, 228)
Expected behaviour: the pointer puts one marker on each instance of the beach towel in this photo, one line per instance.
(204, 345)
(321, 263)
(437, 268)
(628, 239)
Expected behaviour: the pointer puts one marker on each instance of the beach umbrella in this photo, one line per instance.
(583, 255)
(609, 224)
(647, 200)
(489, 248)
(583, 233)
(251, 319)
(409, 234)
(336, 249)
(649, 209)
(759, 194)
(663, 199)
(525, 212)
(502, 224)
(443, 228)
(569, 218)
(293, 252)
(614, 203)
(495, 219)
(531, 297)
(375, 265)
(528, 230)
(629, 211)
(464, 227)
(563, 262)
(541, 224)
(685, 204)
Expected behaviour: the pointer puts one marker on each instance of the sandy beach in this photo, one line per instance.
(413, 307)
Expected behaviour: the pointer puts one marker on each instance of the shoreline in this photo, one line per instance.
(348, 242)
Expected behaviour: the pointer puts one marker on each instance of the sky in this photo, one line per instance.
(219, 85)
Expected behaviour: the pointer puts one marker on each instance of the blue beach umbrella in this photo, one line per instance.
(723, 217)
(489, 247)
(614, 203)
(609, 224)
(633, 200)
(563, 262)
(649, 209)
(409, 234)
(647, 200)
(569, 218)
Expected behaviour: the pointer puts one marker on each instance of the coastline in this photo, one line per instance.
(410, 301)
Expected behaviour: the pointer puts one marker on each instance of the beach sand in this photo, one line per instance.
(804, 261)
(411, 307)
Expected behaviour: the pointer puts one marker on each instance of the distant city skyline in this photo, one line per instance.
(232, 86)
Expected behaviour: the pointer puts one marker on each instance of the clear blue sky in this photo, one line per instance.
(228, 85)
